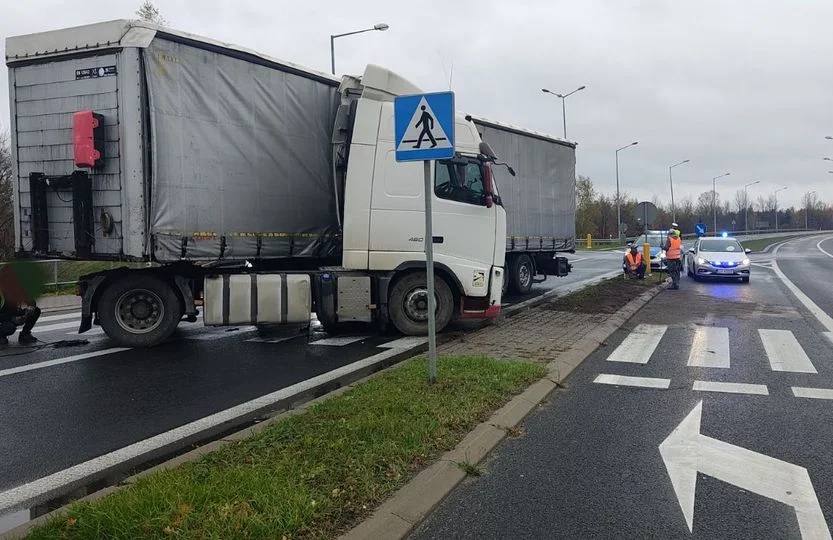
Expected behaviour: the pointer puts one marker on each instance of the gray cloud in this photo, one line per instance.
(740, 86)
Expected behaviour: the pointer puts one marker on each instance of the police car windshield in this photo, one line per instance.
(720, 245)
(655, 240)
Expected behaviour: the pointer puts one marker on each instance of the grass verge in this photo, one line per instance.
(760, 244)
(313, 475)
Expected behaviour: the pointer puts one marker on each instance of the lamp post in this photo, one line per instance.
(380, 27)
(746, 202)
(671, 181)
(714, 199)
(807, 211)
(776, 206)
(618, 201)
(563, 106)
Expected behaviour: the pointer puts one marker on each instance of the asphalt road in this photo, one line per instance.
(65, 406)
(720, 366)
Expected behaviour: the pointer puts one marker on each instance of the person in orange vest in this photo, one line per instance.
(673, 257)
(633, 263)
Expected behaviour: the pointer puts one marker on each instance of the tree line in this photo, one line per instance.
(596, 212)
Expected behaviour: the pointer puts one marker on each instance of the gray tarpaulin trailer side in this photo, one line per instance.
(210, 152)
(540, 200)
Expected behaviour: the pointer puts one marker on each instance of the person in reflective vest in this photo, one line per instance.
(673, 257)
(633, 263)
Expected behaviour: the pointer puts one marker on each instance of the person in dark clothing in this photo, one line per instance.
(12, 316)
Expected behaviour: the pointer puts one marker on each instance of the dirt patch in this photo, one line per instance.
(607, 297)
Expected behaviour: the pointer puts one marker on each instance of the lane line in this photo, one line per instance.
(710, 348)
(812, 393)
(822, 249)
(822, 316)
(828, 335)
(59, 361)
(407, 342)
(785, 352)
(50, 318)
(339, 341)
(731, 388)
(22, 495)
(639, 345)
(623, 380)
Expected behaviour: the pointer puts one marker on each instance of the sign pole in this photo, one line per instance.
(429, 270)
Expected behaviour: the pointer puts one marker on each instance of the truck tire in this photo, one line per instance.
(521, 273)
(139, 311)
(408, 304)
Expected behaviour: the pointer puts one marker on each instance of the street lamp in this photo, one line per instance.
(828, 159)
(714, 199)
(380, 27)
(807, 211)
(618, 201)
(563, 106)
(829, 138)
(746, 202)
(776, 206)
(671, 181)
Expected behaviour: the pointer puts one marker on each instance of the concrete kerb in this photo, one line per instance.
(397, 517)
(298, 404)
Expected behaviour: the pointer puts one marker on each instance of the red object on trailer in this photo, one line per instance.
(86, 139)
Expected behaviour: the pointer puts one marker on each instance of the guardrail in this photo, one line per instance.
(581, 241)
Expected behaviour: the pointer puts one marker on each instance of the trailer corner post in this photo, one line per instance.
(429, 270)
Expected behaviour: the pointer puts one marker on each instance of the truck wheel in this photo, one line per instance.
(521, 273)
(408, 304)
(139, 311)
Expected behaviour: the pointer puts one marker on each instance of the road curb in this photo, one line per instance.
(397, 517)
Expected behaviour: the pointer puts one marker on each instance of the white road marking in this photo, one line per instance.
(825, 319)
(785, 353)
(404, 343)
(814, 393)
(223, 333)
(730, 388)
(339, 341)
(50, 318)
(623, 380)
(822, 249)
(59, 361)
(639, 345)
(19, 496)
(687, 452)
(56, 326)
(710, 348)
(828, 335)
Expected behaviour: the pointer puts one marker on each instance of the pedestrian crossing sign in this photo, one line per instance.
(424, 126)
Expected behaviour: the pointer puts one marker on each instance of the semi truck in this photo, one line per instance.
(254, 189)
(540, 201)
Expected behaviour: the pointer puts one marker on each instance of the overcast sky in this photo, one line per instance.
(741, 86)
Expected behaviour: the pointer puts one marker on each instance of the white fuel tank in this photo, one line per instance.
(234, 299)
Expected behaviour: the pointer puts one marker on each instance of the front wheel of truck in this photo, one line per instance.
(139, 311)
(408, 304)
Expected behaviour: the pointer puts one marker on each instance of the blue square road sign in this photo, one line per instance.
(424, 126)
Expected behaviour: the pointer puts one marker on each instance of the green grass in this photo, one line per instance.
(760, 244)
(70, 271)
(313, 475)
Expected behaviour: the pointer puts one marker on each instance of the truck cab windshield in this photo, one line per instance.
(460, 180)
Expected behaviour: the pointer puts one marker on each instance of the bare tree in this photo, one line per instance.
(741, 201)
(150, 13)
(704, 203)
(6, 208)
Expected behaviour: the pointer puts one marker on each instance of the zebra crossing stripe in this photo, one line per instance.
(730, 388)
(639, 345)
(710, 348)
(623, 380)
(813, 393)
(785, 352)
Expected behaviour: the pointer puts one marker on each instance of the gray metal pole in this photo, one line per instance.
(618, 203)
(714, 204)
(673, 209)
(429, 270)
(776, 210)
(333, 54)
(745, 211)
(564, 115)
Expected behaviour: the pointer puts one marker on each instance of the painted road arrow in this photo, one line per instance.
(686, 452)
